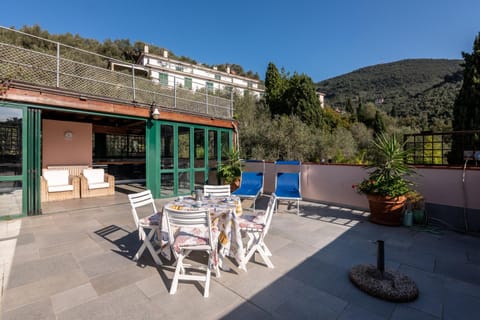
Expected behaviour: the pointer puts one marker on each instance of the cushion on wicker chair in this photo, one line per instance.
(57, 180)
(96, 178)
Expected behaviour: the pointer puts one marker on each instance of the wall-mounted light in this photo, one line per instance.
(154, 112)
(68, 135)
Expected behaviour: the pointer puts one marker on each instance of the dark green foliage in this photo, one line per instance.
(231, 169)
(388, 177)
(378, 124)
(467, 103)
(422, 89)
(466, 112)
(295, 95)
(275, 86)
(302, 101)
(349, 106)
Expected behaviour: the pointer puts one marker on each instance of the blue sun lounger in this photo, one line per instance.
(287, 184)
(251, 182)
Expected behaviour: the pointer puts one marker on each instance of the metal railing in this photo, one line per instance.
(43, 62)
(444, 148)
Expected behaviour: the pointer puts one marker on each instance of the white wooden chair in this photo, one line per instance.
(255, 228)
(148, 226)
(216, 190)
(191, 231)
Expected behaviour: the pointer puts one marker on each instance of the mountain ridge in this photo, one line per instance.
(405, 88)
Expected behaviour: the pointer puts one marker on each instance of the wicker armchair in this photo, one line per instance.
(56, 185)
(95, 182)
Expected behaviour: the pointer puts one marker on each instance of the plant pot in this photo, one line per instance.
(386, 210)
(418, 216)
(235, 185)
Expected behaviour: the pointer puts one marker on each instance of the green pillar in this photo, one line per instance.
(153, 157)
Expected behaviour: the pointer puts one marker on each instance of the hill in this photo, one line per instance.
(417, 89)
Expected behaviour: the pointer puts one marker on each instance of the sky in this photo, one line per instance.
(321, 39)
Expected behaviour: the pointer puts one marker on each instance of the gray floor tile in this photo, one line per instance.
(39, 290)
(406, 313)
(35, 270)
(75, 263)
(353, 312)
(460, 306)
(458, 270)
(41, 309)
(115, 280)
(73, 297)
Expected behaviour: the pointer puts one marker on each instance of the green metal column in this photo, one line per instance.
(152, 142)
(32, 162)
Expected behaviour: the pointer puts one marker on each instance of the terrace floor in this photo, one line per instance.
(74, 262)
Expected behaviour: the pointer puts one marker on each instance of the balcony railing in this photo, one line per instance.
(42, 62)
(444, 148)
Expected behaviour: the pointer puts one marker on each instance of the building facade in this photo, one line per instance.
(175, 73)
(56, 111)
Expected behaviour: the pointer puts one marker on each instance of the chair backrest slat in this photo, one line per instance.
(187, 218)
(216, 190)
(269, 214)
(141, 199)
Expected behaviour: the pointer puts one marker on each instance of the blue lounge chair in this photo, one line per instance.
(287, 184)
(251, 182)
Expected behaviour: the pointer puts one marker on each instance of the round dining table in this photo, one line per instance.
(223, 212)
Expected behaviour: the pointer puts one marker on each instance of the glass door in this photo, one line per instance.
(11, 169)
(189, 155)
(19, 161)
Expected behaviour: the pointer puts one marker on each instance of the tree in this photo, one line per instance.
(378, 123)
(366, 114)
(351, 110)
(275, 85)
(466, 109)
(301, 100)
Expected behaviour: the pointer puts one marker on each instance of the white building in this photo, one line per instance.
(172, 73)
(321, 98)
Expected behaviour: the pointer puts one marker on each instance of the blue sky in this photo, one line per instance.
(320, 38)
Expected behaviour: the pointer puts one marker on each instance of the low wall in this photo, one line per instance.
(450, 194)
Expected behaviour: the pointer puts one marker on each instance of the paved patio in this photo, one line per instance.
(75, 263)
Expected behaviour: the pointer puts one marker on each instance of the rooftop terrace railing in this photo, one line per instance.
(38, 61)
(444, 148)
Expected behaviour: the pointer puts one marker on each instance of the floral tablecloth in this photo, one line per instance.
(223, 212)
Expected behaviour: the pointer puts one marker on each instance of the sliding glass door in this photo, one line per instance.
(19, 161)
(189, 156)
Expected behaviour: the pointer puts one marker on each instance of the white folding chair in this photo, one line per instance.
(150, 223)
(216, 190)
(256, 227)
(191, 231)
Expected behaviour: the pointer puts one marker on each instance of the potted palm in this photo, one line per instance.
(229, 172)
(386, 186)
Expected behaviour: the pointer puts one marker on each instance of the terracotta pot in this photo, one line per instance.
(235, 185)
(386, 210)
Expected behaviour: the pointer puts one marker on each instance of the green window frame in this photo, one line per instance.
(188, 83)
(209, 86)
(181, 178)
(163, 78)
